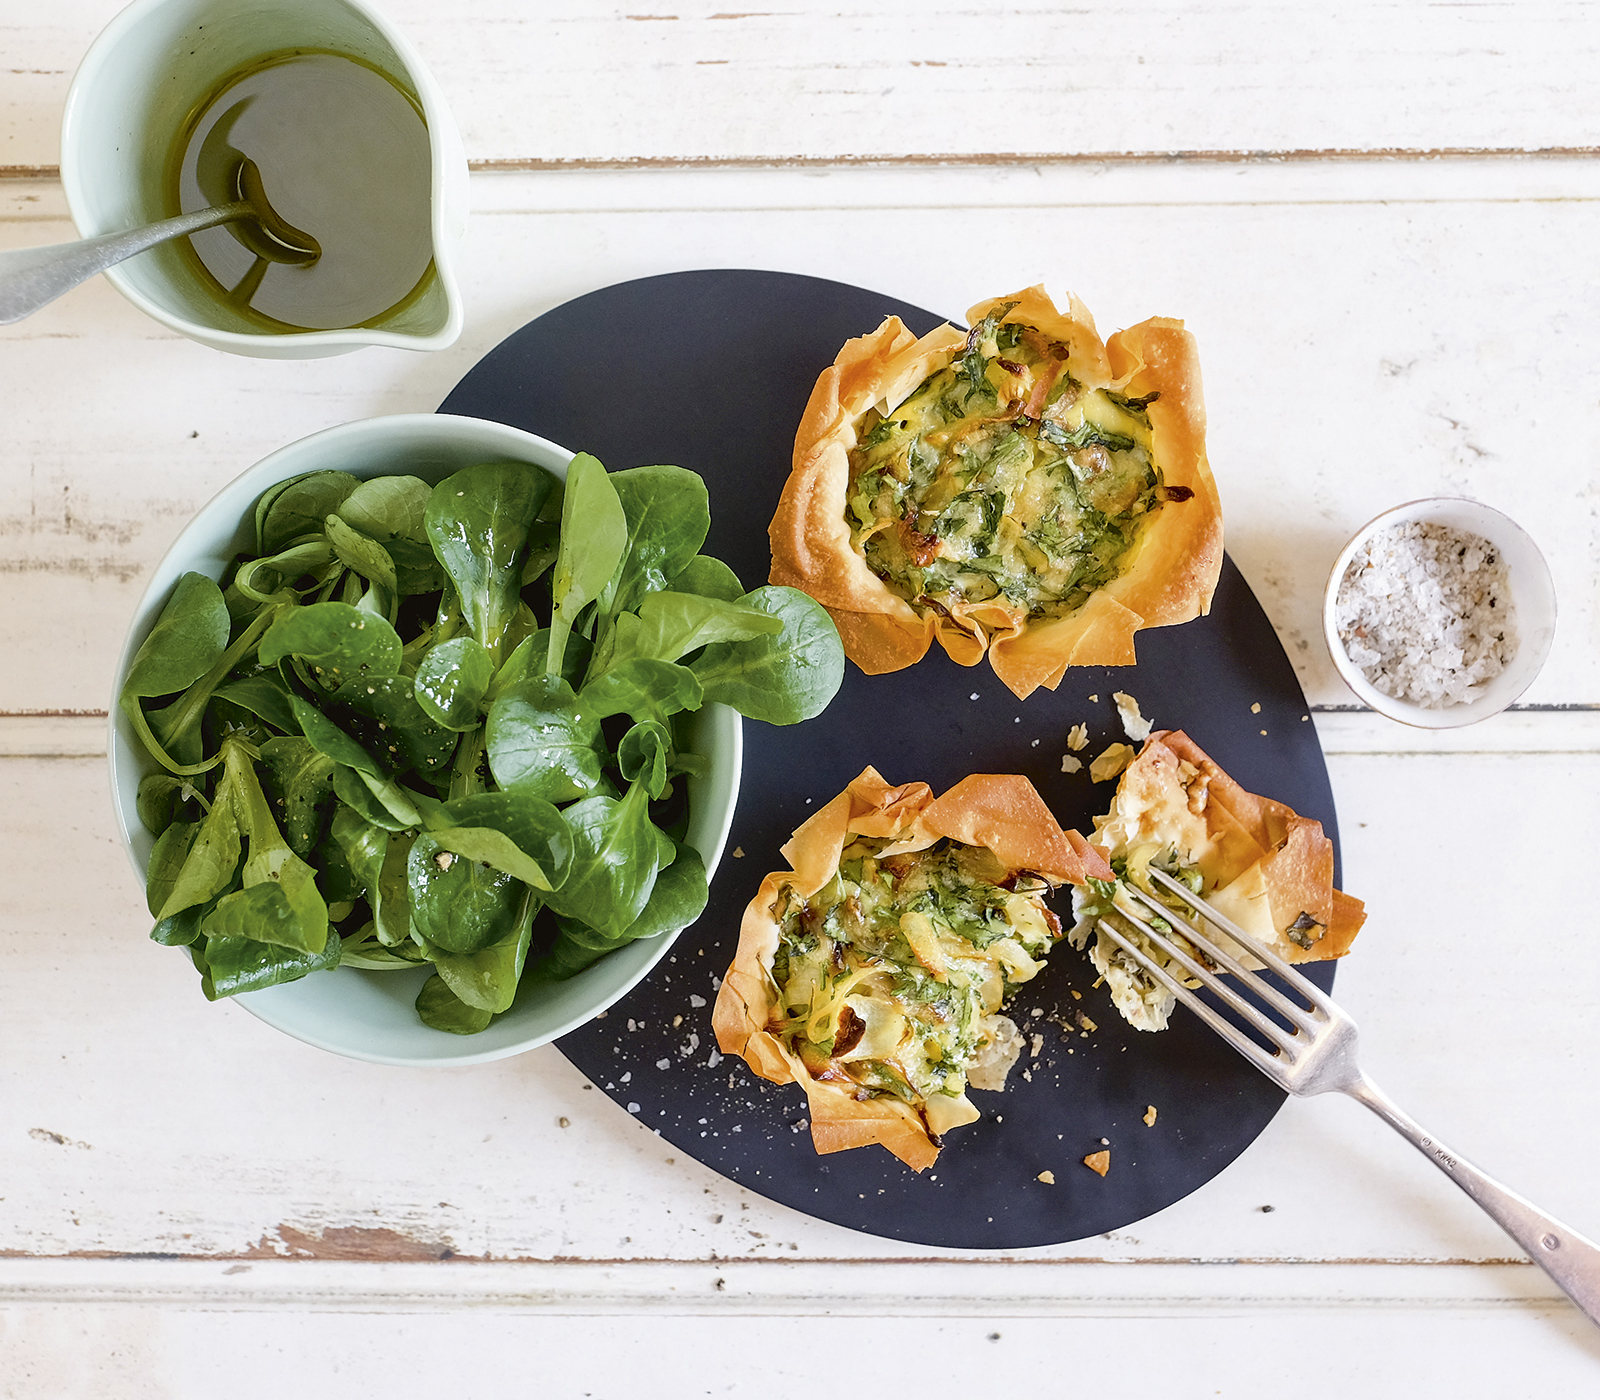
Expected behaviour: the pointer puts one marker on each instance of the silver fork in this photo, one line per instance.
(1320, 1055)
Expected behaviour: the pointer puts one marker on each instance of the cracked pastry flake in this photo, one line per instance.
(1111, 762)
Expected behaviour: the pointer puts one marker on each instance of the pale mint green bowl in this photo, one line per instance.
(370, 1015)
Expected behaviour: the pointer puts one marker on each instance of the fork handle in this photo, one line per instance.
(1570, 1259)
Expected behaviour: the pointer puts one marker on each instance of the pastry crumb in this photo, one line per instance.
(1094, 699)
(1098, 1162)
(1069, 764)
(1150, 1116)
(1078, 737)
(1049, 1178)
(1134, 724)
(1255, 709)
(1111, 762)
(738, 852)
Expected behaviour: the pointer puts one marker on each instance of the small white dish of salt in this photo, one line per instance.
(1439, 613)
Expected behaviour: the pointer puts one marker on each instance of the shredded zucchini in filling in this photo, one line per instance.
(1002, 477)
(1142, 1000)
(893, 974)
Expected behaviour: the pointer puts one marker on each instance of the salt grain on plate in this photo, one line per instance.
(1425, 612)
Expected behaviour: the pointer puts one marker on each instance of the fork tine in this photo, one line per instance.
(1305, 1020)
(1269, 1065)
(1301, 984)
(1284, 1040)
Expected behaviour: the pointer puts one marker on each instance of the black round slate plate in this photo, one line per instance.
(710, 370)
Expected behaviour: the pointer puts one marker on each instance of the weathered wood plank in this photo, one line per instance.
(1342, 732)
(1141, 1353)
(902, 79)
(731, 1288)
(138, 1118)
(1369, 335)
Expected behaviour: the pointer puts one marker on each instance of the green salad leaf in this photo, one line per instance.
(783, 676)
(542, 741)
(478, 522)
(594, 539)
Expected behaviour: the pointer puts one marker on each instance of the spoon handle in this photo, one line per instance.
(31, 277)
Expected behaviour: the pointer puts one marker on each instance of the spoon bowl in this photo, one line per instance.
(264, 231)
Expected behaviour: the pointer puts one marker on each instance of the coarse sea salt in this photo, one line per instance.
(1425, 611)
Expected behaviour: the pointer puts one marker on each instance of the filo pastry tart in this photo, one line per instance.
(874, 972)
(1022, 490)
(1255, 860)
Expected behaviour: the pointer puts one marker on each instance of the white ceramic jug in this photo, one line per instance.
(145, 78)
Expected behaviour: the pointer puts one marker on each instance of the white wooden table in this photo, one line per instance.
(1381, 221)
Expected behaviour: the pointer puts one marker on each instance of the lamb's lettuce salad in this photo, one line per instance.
(443, 726)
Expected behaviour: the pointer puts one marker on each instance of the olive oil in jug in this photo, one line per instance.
(344, 155)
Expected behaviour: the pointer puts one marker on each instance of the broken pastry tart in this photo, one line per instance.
(1020, 490)
(874, 973)
(1254, 860)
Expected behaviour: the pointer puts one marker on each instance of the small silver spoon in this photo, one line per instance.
(32, 277)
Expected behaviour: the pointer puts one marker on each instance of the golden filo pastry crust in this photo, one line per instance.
(1166, 575)
(1249, 833)
(1000, 813)
(1259, 862)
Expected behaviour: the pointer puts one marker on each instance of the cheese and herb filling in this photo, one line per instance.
(1001, 477)
(1143, 1002)
(892, 976)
